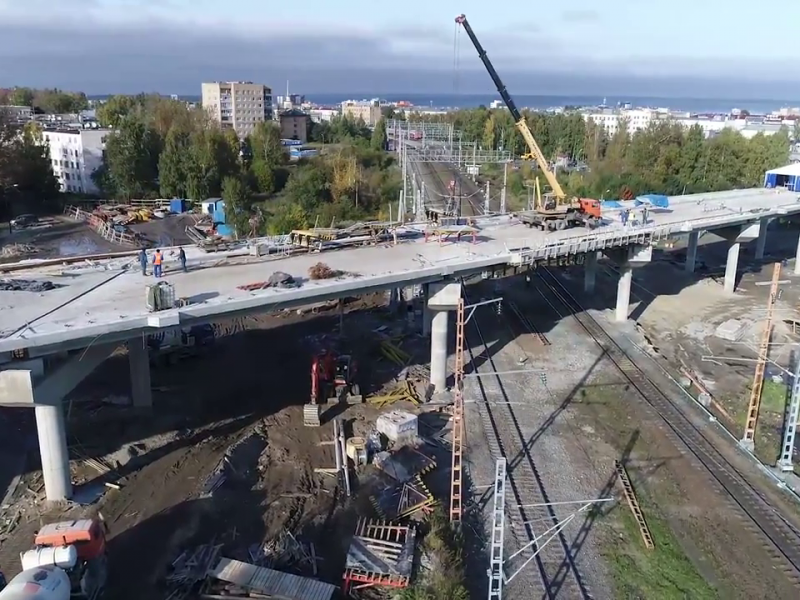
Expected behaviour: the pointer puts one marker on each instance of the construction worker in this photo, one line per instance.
(644, 215)
(143, 261)
(3, 582)
(158, 261)
(182, 258)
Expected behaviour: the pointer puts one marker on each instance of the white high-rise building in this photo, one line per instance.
(75, 154)
(238, 105)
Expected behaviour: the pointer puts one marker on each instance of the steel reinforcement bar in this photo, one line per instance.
(554, 562)
(780, 540)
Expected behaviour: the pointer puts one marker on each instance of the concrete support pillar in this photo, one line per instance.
(52, 433)
(590, 272)
(761, 240)
(730, 267)
(139, 363)
(797, 258)
(624, 291)
(691, 251)
(439, 330)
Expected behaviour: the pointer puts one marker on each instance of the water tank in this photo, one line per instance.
(42, 583)
(65, 557)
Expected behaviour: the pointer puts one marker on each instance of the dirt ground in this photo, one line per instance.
(61, 237)
(251, 386)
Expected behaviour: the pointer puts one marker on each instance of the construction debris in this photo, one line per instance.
(251, 581)
(190, 569)
(17, 250)
(380, 554)
(403, 392)
(404, 463)
(26, 285)
(278, 279)
(282, 552)
(395, 353)
(398, 425)
(402, 500)
(323, 271)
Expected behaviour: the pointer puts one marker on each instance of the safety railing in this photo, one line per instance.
(100, 226)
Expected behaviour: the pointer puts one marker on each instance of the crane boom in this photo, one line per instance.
(534, 151)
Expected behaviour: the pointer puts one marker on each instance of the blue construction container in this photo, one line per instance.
(218, 216)
(178, 205)
(786, 177)
(225, 230)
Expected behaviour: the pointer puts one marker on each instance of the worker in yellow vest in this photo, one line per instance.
(158, 260)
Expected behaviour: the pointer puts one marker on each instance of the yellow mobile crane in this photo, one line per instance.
(556, 212)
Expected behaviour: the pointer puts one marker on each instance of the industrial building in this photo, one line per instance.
(75, 154)
(368, 110)
(238, 105)
(294, 125)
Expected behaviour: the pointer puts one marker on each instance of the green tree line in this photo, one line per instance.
(164, 148)
(49, 101)
(664, 158)
(26, 175)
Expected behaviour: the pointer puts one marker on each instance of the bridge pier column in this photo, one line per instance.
(139, 364)
(427, 313)
(590, 272)
(439, 331)
(691, 251)
(731, 266)
(443, 298)
(797, 258)
(624, 291)
(52, 432)
(761, 240)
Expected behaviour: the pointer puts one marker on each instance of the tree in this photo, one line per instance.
(287, 217)
(21, 97)
(308, 187)
(267, 155)
(113, 111)
(211, 159)
(380, 139)
(132, 160)
(173, 164)
(237, 204)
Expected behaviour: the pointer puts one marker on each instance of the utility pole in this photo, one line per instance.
(503, 192)
(404, 169)
(486, 200)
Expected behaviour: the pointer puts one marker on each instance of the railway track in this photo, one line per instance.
(554, 562)
(441, 174)
(780, 540)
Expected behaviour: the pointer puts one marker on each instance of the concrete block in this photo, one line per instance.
(34, 365)
(444, 296)
(732, 330)
(640, 254)
(16, 388)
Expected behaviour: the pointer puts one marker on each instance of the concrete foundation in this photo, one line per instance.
(590, 272)
(139, 364)
(439, 331)
(624, 291)
(691, 251)
(52, 432)
(731, 266)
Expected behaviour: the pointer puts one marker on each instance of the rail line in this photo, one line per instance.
(468, 207)
(554, 561)
(780, 539)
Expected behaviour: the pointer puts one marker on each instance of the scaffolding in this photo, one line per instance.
(456, 474)
(786, 463)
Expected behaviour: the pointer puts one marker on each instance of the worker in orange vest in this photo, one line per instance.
(158, 260)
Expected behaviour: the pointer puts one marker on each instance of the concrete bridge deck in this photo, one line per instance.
(106, 301)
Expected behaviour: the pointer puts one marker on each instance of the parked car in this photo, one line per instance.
(24, 221)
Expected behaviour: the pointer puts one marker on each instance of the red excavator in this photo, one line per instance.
(333, 380)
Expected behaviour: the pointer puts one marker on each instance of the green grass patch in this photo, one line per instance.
(773, 397)
(665, 573)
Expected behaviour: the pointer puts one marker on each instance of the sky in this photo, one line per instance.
(711, 49)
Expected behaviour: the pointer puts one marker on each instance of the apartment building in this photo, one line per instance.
(636, 119)
(75, 154)
(238, 105)
(294, 125)
(369, 110)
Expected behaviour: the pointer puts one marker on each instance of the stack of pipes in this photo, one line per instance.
(340, 450)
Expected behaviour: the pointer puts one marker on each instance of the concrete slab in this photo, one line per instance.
(105, 299)
(444, 296)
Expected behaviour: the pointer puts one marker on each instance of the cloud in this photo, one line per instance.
(151, 54)
(580, 16)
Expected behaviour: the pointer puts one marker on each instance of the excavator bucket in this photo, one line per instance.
(311, 415)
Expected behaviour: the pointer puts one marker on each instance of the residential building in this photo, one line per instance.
(75, 154)
(636, 119)
(238, 105)
(368, 110)
(18, 114)
(324, 115)
(294, 125)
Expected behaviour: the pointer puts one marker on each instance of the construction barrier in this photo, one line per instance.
(100, 226)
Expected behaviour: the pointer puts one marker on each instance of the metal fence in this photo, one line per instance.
(101, 227)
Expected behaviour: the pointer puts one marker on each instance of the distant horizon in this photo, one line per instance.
(541, 101)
